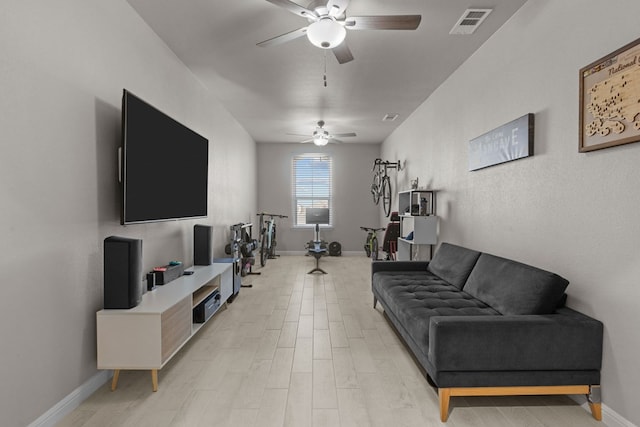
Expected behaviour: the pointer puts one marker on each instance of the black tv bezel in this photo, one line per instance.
(122, 162)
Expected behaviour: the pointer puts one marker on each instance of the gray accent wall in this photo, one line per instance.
(353, 204)
(63, 66)
(570, 213)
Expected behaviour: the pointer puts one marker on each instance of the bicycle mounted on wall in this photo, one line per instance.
(268, 236)
(381, 184)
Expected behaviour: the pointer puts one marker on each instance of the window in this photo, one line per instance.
(312, 176)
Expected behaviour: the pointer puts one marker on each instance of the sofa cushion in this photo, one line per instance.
(514, 288)
(414, 297)
(453, 263)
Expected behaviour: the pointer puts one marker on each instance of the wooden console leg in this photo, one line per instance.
(154, 379)
(114, 381)
(445, 396)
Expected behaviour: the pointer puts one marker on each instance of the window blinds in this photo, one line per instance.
(312, 179)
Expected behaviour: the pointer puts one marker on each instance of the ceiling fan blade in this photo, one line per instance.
(342, 53)
(306, 140)
(283, 38)
(298, 134)
(337, 7)
(344, 135)
(295, 8)
(391, 22)
(335, 141)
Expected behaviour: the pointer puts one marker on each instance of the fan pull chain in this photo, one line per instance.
(325, 68)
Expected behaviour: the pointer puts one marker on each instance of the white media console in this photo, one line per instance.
(148, 335)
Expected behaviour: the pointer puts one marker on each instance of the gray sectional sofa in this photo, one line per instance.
(483, 325)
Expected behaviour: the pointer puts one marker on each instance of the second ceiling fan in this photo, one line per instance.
(322, 137)
(328, 24)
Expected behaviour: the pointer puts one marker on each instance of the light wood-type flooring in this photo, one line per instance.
(304, 350)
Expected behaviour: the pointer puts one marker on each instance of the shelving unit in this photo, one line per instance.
(202, 293)
(417, 211)
(150, 334)
(410, 202)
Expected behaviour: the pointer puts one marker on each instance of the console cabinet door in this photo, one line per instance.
(176, 327)
(128, 341)
(142, 340)
(226, 284)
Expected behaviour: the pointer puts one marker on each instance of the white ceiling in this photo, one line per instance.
(279, 89)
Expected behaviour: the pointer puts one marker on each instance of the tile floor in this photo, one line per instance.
(303, 350)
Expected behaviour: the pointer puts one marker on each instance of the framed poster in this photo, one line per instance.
(511, 141)
(610, 100)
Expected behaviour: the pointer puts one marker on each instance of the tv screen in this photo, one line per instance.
(164, 166)
(317, 216)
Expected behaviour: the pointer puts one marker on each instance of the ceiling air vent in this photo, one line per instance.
(389, 117)
(470, 21)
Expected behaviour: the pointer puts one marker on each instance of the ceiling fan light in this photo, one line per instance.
(326, 33)
(320, 140)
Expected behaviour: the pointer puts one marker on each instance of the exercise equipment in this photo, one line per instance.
(317, 248)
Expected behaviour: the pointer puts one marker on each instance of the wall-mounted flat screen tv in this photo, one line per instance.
(165, 166)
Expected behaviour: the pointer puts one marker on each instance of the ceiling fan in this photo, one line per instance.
(328, 24)
(322, 137)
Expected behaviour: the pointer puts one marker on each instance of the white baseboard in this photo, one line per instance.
(610, 418)
(344, 253)
(72, 401)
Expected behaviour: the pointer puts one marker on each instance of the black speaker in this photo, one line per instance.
(122, 272)
(202, 244)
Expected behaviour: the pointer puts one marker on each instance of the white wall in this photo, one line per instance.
(571, 213)
(63, 66)
(353, 204)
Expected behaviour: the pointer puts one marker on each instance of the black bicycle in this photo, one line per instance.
(268, 236)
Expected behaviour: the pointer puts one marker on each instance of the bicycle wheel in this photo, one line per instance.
(375, 187)
(367, 247)
(374, 248)
(375, 193)
(264, 250)
(386, 195)
(272, 248)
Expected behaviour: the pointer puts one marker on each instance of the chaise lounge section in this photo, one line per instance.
(481, 325)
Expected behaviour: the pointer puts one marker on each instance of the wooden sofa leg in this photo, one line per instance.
(595, 402)
(592, 392)
(445, 396)
(375, 302)
(596, 410)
